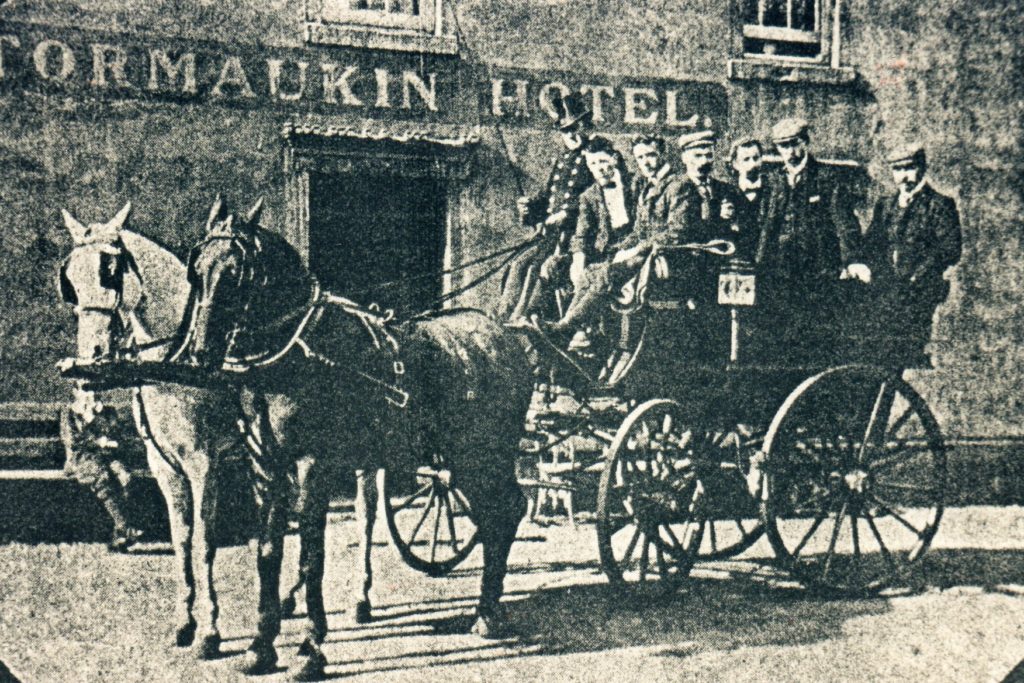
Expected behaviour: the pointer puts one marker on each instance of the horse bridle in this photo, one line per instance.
(113, 276)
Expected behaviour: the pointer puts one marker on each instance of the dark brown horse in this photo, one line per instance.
(332, 387)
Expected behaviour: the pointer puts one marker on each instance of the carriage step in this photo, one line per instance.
(33, 475)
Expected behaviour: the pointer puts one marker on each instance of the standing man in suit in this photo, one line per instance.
(914, 236)
(811, 236)
(751, 191)
(551, 214)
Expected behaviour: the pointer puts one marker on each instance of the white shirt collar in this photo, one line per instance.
(748, 186)
(794, 173)
(905, 198)
(662, 172)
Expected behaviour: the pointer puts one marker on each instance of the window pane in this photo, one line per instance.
(773, 13)
(804, 15)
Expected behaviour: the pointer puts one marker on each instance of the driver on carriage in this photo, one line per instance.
(671, 210)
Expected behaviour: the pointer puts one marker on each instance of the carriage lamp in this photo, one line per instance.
(736, 288)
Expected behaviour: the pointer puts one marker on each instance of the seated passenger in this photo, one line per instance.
(603, 228)
(528, 279)
(913, 238)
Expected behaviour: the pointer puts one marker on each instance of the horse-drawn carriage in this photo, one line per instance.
(710, 416)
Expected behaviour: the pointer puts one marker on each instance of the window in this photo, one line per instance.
(783, 28)
(410, 25)
(416, 15)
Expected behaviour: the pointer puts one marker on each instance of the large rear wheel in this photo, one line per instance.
(855, 475)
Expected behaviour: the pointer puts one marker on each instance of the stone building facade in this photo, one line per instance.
(396, 134)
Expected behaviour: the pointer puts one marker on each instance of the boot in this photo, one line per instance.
(124, 535)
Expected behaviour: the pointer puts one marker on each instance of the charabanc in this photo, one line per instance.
(710, 415)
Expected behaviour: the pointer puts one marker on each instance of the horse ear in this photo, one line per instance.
(77, 230)
(253, 216)
(217, 212)
(117, 222)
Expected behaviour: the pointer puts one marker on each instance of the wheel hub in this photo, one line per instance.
(856, 481)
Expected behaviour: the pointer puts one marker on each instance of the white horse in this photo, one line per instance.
(119, 280)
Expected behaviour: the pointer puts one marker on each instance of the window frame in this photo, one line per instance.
(334, 22)
(335, 12)
(826, 15)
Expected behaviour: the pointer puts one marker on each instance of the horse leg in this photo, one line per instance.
(498, 506)
(366, 513)
(178, 497)
(272, 497)
(203, 480)
(289, 601)
(312, 529)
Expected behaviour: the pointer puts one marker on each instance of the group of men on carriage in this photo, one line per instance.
(601, 232)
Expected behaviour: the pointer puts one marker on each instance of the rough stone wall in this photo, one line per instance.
(946, 72)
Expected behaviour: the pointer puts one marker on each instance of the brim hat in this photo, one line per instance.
(790, 129)
(697, 139)
(570, 110)
(909, 154)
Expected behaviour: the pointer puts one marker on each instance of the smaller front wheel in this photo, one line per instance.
(649, 522)
(429, 518)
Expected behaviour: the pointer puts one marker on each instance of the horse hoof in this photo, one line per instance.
(288, 607)
(488, 627)
(361, 615)
(185, 634)
(312, 668)
(258, 660)
(208, 647)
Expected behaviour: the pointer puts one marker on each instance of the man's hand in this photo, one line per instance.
(523, 207)
(556, 219)
(547, 269)
(728, 210)
(856, 271)
(577, 270)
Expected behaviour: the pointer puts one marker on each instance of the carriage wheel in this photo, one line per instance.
(429, 518)
(854, 480)
(649, 501)
(732, 523)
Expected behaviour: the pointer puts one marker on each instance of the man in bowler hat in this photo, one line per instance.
(530, 280)
(913, 237)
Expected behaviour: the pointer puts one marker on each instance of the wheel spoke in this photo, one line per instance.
(673, 539)
(895, 456)
(882, 404)
(881, 544)
(631, 546)
(810, 532)
(713, 537)
(644, 557)
(450, 516)
(408, 501)
(423, 517)
(437, 525)
(898, 517)
(662, 566)
(855, 531)
(832, 541)
(896, 426)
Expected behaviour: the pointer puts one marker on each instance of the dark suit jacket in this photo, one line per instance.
(655, 202)
(811, 230)
(688, 220)
(751, 217)
(908, 249)
(594, 235)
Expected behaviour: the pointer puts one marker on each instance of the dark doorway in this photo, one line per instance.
(366, 230)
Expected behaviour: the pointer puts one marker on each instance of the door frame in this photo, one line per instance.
(342, 152)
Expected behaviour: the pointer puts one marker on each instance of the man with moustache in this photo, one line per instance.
(914, 236)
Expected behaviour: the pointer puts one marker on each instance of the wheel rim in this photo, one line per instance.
(429, 518)
(855, 476)
(649, 502)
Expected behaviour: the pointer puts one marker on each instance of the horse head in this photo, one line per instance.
(100, 279)
(221, 274)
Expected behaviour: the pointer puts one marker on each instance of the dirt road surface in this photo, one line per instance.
(74, 612)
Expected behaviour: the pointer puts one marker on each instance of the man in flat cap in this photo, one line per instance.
(552, 214)
(811, 236)
(913, 237)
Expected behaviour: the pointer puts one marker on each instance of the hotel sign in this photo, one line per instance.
(91, 65)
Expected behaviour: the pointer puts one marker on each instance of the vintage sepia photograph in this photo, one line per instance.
(511, 340)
